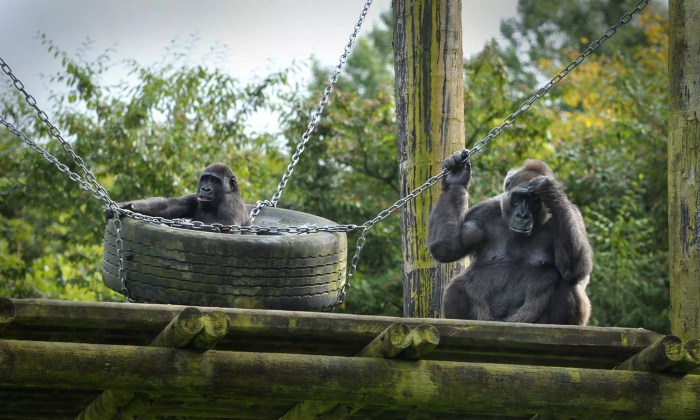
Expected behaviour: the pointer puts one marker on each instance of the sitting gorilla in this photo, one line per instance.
(217, 200)
(530, 258)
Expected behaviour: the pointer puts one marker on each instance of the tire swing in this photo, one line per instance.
(288, 271)
(192, 267)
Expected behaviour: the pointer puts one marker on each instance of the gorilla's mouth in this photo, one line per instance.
(524, 227)
(203, 198)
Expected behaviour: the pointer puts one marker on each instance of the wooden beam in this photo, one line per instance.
(7, 312)
(435, 385)
(684, 167)
(330, 333)
(181, 330)
(419, 342)
(691, 359)
(388, 344)
(422, 341)
(430, 127)
(118, 403)
(657, 357)
(215, 326)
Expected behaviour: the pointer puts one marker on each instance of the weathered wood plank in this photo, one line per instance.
(7, 312)
(507, 389)
(392, 341)
(657, 357)
(691, 359)
(132, 317)
(215, 327)
(119, 404)
(423, 340)
(331, 334)
(684, 167)
(181, 330)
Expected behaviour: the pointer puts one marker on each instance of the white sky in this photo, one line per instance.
(261, 35)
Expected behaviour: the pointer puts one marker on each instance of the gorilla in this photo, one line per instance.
(217, 200)
(530, 257)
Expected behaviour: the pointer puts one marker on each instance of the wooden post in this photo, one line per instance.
(684, 167)
(430, 128)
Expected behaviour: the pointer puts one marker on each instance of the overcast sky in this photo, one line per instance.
(260, 35)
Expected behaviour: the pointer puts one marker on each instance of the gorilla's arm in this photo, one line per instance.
(445, 224)
(169, 208)
(573, 257)
(448, 216)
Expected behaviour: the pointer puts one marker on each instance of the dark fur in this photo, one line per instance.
(538, 276)
(217, 200)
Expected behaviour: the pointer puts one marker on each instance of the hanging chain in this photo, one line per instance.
(100, 193)
(89, 176)
(315, 117)
(510, 119)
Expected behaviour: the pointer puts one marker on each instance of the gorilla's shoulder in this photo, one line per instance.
(486, 208)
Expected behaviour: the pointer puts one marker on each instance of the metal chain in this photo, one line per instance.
(89, 183)
(315, 116)
(478, 146)
(370, 223)
(89, 176)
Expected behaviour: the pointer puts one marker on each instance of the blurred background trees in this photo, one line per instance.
(602, 130)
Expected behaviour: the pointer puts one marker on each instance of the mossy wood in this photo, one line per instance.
(684, 167)
(430, 127)
(691, 359)
(657, 357)
(329, 333)
(389, 343)
(423, 339)
(435, 385)
(80, 348)
(116, 404)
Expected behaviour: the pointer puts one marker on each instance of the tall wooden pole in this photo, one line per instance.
(684, 167)
(430, 127)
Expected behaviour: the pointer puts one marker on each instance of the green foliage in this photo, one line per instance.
(630, 284)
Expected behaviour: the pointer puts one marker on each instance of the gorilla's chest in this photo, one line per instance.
(532, 250)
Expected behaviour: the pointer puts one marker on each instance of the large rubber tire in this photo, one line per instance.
(166, 264)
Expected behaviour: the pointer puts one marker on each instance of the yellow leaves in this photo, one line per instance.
(655, 27)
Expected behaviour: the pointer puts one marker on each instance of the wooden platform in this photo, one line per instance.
(56, 357)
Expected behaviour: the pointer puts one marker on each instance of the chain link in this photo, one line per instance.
(315, 116)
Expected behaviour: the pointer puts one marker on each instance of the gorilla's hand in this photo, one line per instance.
(109, 212)
(548, 189)
(460, 169)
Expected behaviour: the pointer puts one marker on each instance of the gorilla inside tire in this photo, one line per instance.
(164, 264)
